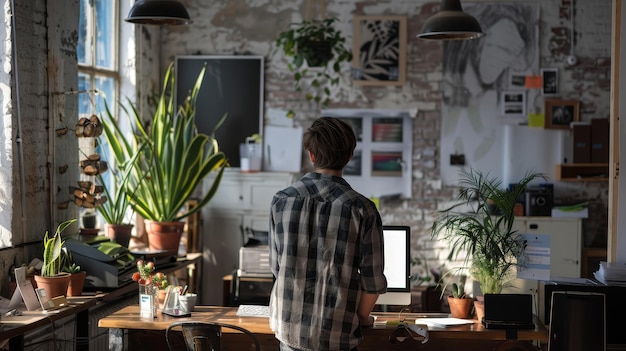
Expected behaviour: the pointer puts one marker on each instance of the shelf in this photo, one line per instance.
(583, 172)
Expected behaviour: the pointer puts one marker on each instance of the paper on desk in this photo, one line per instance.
(443, 322)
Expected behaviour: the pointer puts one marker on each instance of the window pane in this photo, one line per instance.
(84, 104)
(84, 34)
(105, 34)
(106, 90)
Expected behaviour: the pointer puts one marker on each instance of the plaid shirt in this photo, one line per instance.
(326, 247)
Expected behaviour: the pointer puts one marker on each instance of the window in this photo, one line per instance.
(98, 68)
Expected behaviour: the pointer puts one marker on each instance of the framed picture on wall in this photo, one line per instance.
(379, 50)
(513, 103)
(550, 81)
(387, 130)
(561, 113)
(387, 163)
(357, 127)
(355, 166)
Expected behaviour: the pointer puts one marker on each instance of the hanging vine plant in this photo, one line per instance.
(316, 51)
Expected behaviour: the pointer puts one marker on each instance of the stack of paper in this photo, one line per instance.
(611, 273)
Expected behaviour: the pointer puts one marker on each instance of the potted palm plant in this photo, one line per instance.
(52, 278)
(316, 51)
(166, 162)
(491, 246)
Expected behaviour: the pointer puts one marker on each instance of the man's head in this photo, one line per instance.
(331, 142)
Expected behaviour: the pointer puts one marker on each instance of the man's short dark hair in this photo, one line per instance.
(332, 141)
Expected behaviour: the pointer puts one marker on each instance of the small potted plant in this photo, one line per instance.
(52, 278)
(314, 43)
(77, 276)
(460, 304)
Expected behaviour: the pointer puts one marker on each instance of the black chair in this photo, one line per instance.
(203, 336)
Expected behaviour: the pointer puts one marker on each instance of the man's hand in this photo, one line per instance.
(367, 323)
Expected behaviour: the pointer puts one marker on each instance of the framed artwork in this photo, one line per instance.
(550, 81)
(387, 163)
(357, 127)
(561, 113)
(379, 50)
(387, 130)
(513, 103)
(353, 168)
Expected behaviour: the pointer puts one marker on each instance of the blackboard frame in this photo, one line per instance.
(231, 84)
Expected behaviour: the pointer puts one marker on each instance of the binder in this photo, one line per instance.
(582, 142)
(600, 140)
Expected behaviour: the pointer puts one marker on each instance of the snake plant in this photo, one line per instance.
(165, 159)
(53, 250)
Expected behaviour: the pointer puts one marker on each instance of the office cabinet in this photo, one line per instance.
(240, 205)
(565, 242)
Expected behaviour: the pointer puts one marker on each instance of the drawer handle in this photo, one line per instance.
(534, 226)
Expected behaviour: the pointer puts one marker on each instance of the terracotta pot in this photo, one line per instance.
(460, 307)
(77, 282)
(119, 233)
(164, 235)
(479, 307)
(54, 286)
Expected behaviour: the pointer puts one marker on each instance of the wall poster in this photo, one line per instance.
(478, 88)
(379, 50)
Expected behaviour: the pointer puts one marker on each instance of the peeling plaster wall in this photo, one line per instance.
(45, 62)
(250, 27)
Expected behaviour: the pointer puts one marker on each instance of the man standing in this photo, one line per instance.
(326, 250)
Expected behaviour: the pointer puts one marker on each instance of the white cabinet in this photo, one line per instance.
(565, 242)
(242, 202)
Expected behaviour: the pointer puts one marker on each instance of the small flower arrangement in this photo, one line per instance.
(145, 275)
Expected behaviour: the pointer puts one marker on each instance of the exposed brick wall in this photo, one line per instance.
(588, 81)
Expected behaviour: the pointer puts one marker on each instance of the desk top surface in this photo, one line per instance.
(11, 326)
(128, 318)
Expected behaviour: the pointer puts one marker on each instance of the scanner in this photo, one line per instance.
(108, 264)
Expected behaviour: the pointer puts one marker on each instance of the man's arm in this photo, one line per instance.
(365, 308)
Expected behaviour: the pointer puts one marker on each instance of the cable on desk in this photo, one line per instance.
(400, 317)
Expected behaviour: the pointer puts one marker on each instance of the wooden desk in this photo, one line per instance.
(467, 337)
(14, 327)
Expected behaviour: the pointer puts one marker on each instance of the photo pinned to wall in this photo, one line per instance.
(387, 129)
(355, 166)
(379, 50)
(517, 79)
(357, 127)
(387, 163)
(550, 81)
(513, 103)
(561, 113)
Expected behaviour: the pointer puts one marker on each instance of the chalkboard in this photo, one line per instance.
(231, 85)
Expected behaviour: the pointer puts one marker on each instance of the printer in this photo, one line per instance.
(108, 264)
(254, 255)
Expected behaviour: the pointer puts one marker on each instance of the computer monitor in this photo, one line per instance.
(397, 266)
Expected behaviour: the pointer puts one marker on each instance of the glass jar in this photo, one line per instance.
(148, 296)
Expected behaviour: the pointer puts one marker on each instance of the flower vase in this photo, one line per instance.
(148, 300)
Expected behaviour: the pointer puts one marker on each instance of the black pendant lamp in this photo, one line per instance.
(451, 23)
(158, 12)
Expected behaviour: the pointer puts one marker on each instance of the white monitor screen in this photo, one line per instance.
(397, 266)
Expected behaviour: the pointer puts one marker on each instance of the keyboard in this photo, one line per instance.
(253, 311)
